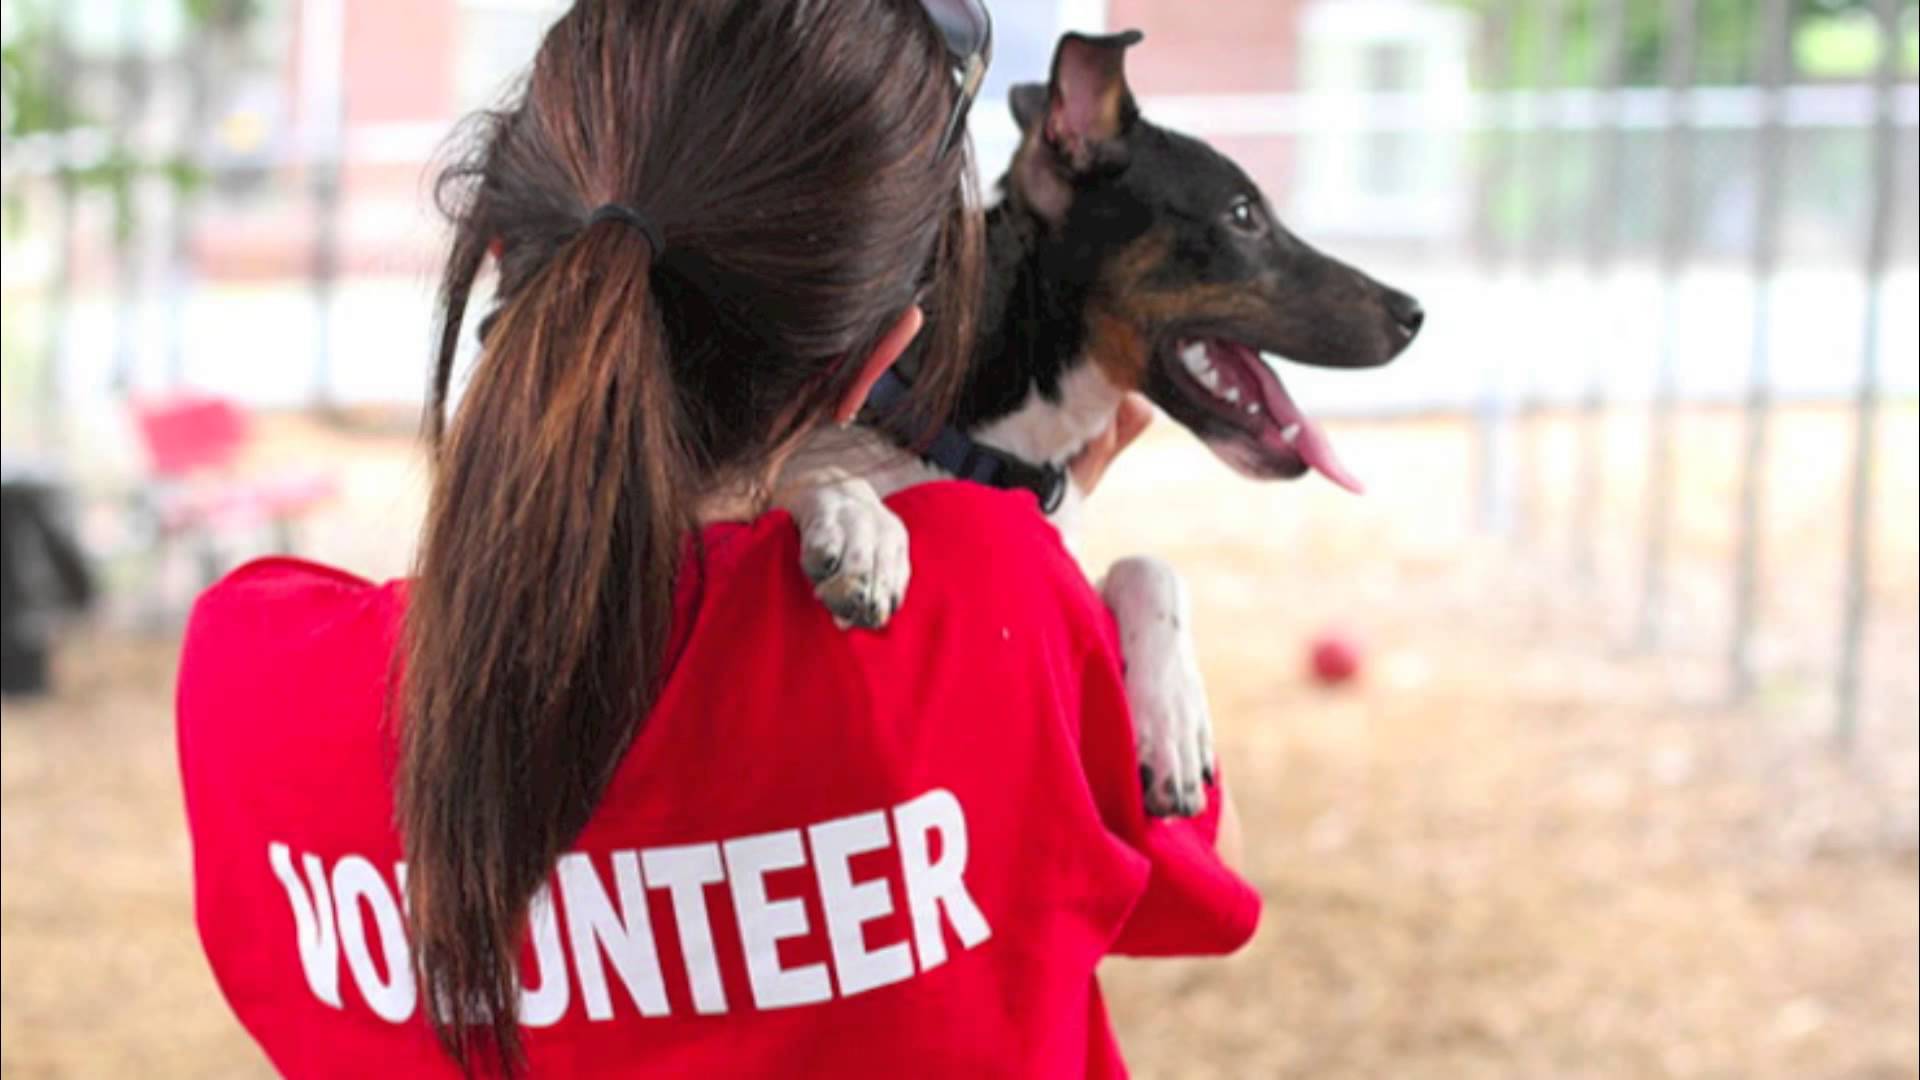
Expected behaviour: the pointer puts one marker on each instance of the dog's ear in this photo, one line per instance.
(1089, 104)
(1074, 126)
(1029, 101)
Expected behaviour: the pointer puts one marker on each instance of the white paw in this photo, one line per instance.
(1172, 726)
(1175, 742)
(854, 550)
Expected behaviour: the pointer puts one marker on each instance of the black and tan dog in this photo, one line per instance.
(1124, 257)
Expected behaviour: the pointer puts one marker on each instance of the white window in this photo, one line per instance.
(1380, 77)
(497, 42)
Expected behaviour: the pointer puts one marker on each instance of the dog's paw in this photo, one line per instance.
(1172, 725)
(1175, 734)
(854, 550)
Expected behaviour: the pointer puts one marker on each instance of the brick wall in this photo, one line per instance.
(1211, 46)
(1220, 47)
(400, 61)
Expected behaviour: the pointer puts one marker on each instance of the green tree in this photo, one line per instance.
(1833, 39)
(39, 94)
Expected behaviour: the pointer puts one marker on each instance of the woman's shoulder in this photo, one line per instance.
(975, 539)
(277, 622)
(985, 524)
(979, 507)
(975, 552)
(281, 577)
(284, 594)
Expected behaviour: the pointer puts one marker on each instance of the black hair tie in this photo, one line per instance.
(628, 216)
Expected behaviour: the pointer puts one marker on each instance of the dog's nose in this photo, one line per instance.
(1407, 313)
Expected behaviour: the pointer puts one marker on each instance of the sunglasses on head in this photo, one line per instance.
(968, 32)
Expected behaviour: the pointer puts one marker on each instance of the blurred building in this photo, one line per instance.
(389, 80)
(298, 268)
(1328, 104)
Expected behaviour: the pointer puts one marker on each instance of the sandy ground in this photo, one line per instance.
(1522, 847)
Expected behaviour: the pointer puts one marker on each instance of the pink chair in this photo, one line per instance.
(194, 448)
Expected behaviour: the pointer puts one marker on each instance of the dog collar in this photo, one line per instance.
(953, 451)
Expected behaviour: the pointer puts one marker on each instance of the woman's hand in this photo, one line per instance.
(1136, 415)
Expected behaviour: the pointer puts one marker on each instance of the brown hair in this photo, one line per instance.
(786, 153)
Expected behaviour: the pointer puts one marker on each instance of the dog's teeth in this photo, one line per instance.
(1233, 394)
(1291, 434)
(1253, 409)
(1195, 357)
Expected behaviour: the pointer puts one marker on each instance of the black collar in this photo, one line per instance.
(955, 452)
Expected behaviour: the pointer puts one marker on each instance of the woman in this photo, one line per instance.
(602, 790)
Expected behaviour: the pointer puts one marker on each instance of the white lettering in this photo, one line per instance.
(685, 872)
(356, 882)
(626, 936)
(917, 851)
(545, 1005)
(313, 928)
(764, 923)
(851, 906)
(932, 886)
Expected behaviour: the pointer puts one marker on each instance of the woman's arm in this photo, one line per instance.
(1196, 900)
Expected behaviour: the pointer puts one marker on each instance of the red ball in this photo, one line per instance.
(1336, 658)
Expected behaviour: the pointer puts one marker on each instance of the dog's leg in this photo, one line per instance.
(852, 547)
(854, 550)
(1172, 727)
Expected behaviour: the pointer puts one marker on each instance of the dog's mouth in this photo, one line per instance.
(1232, 397)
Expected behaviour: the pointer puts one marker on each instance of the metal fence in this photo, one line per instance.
(1574, 168)
(1523, 148)
(1566, 167)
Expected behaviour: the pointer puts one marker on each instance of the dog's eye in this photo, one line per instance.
(1245, 215)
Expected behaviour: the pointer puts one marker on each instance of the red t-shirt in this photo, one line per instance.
(826, 854)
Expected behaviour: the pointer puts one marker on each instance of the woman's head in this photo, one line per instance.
(780, 149)
(786, 153)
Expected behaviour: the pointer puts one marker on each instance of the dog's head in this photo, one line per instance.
(1190, 278)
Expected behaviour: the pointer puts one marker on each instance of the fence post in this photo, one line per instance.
(51, 433)
(1682, 28)
(323, 116)
(130, 101)
(1610, 34)
(1879, 250)
(1491, 425)
(195, 60)
(1775, 36)
(1542, 209)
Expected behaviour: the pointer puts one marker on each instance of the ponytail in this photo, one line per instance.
(539, 616)
(786, 147)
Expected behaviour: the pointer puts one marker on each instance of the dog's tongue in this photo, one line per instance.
(1289, 427)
